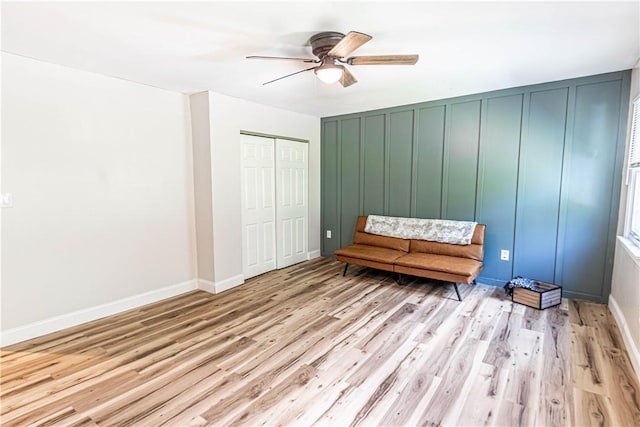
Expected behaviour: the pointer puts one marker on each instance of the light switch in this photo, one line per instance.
(6, 200)
(328, 234)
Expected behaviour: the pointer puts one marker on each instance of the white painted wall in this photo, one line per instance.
(229, 116)
(624, 300)
(201, 139)
(101, 175)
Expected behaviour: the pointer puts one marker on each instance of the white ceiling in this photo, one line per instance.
(464, 47)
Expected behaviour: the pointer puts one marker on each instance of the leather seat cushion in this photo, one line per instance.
(371, 253)
(443, 263)
(361, 238)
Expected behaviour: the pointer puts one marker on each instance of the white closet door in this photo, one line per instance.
(258, 205)
(292, 165)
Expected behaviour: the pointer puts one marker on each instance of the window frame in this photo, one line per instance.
(633, 203)
(633, 178)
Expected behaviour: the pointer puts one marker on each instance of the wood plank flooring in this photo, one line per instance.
(304, 346)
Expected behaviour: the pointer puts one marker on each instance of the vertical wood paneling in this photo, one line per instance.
(429, 149)
(373, 147)
(400, 155)
(587, 186)
(350, 176)
(330, 209)
(537, 164)
(461, 161)
(540, 178)
(497, 179)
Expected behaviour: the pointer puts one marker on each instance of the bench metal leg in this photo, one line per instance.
(344, 273)
(455, 286)
(399, 278)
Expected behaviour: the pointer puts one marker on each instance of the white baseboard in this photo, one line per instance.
(229, 283)
(207, 286)
(313, 254)
(53, 324)
(634, 352)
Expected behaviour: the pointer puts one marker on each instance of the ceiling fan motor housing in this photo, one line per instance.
(322, 43)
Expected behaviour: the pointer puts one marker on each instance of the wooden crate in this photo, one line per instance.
(546, 295)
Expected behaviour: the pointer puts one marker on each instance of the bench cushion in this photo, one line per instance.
(362, 238)
(460, 251)
(443, 263)
(371, 253)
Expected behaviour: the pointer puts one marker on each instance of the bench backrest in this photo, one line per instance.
(473, 251)
(362, 238)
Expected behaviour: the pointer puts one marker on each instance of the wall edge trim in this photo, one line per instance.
(207, 286)
(75, 318)
(226, 284)
(632, 350)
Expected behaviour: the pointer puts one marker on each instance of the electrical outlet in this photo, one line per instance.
(504, 255)
(328, 234)
(6, 200)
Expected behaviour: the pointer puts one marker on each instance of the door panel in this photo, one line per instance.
(258, 208)
(291, 202)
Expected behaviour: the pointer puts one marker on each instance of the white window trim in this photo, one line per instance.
(631, 244)
(632, 249)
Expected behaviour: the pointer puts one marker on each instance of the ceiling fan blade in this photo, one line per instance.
(347, 78)
(282, 58)
(383, 60)
(288, 75)
(348, 44)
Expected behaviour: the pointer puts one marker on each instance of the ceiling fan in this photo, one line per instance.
(332, 49)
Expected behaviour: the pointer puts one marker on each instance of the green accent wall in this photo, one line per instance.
(541, 165)
(373, 180)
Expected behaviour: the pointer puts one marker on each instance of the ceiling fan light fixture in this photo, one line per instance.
(329, 72)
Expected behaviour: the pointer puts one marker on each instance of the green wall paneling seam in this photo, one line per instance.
(387, 150)
(349, 141)
(540, 178)
(498, 178)
(362, 168)
(400, 161)
(460, 167)
(329, 186)
(429, 154)
(414, 164)
(589, 186)
(373, 149)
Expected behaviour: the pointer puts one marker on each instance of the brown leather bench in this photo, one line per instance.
(433, 260)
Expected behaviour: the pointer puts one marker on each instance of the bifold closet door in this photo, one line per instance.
(258, 205)
(292, 165)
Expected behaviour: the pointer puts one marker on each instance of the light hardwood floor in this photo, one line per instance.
(304, 345)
